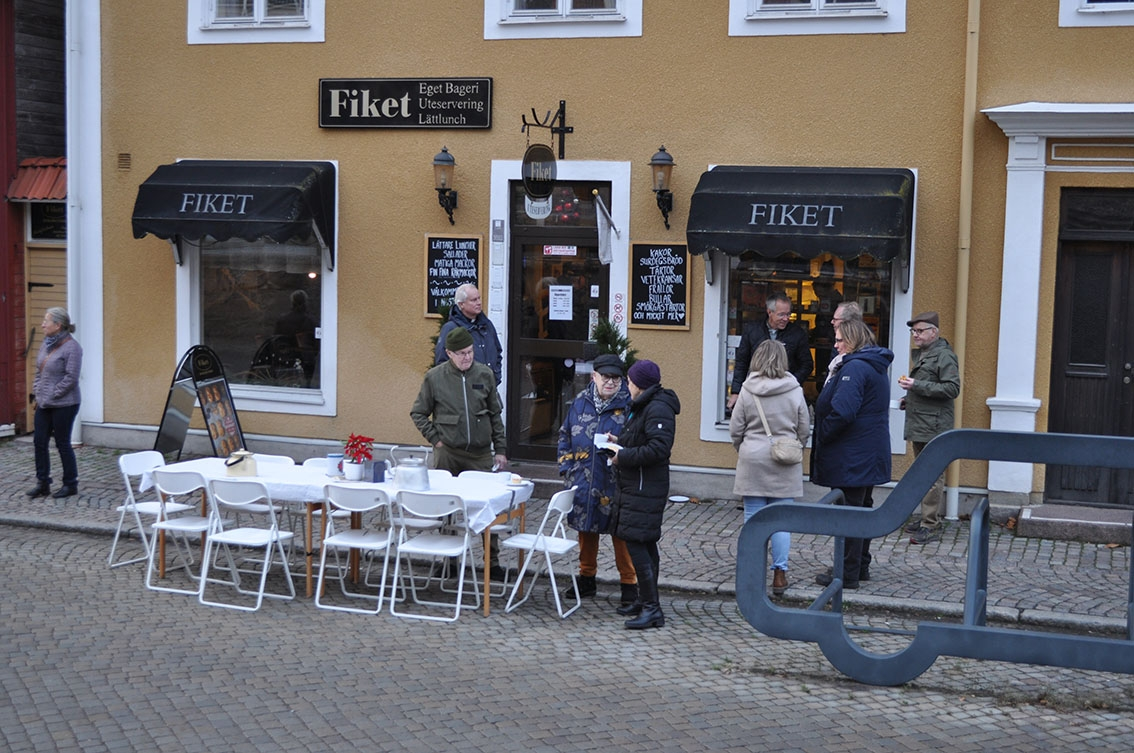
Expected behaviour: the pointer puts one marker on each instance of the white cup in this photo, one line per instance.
(334, 464)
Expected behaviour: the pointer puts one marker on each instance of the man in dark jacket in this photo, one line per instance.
(777, 326)
(468, 312)
(643, 484)
(933, 383)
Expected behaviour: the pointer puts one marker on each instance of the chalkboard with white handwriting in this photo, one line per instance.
(450, 261)
(659, 286)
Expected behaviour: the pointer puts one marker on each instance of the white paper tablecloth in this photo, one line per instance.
(484, 499)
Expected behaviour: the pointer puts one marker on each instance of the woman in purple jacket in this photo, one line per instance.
(57, 398)
(851, 447)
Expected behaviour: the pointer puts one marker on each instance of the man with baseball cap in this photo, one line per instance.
(458, 411)
(933, 384)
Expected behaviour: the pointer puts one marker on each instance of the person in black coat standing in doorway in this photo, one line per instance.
(642, 460)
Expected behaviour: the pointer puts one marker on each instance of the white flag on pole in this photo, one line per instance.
(605, 225)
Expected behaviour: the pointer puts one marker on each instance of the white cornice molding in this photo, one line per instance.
(1064, 118)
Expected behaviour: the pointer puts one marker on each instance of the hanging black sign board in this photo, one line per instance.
(200, 378)
(538, 171)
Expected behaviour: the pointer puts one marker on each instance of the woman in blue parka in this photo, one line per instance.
(851, 446)
(599, 409)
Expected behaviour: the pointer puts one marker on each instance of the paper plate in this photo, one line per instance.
(679, 498)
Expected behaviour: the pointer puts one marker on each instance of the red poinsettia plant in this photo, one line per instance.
(359, 448)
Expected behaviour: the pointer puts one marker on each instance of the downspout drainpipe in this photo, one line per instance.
(964, 240)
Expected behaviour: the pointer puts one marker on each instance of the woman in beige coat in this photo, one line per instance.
(760, 480)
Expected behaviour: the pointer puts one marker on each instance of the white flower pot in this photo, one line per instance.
(353, 471)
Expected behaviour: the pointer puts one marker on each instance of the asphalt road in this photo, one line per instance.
(92, 661)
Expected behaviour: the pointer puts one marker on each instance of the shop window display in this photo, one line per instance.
(816, 287)
(260, 305)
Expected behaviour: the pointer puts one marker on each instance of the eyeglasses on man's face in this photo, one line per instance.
(920, 330)
(610, 378)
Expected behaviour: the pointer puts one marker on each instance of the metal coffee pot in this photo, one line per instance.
(412, 474)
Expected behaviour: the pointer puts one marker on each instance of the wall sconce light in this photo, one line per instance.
(661, 165)
(443, 165)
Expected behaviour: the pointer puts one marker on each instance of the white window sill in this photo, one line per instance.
(574, 19)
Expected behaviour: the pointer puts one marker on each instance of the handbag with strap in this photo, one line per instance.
(785, 450)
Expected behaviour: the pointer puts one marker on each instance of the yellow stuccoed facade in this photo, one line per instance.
(835, 99)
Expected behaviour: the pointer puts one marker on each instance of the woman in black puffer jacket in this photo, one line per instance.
(643, 484)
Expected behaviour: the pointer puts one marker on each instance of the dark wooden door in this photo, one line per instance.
(1092, 381)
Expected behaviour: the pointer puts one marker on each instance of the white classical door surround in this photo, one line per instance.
(1028, 127)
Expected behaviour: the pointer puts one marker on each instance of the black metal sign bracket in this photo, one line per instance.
(557, 124)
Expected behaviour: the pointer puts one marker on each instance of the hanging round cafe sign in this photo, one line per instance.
(538, 170)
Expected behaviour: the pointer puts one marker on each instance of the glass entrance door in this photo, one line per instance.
(559, 291)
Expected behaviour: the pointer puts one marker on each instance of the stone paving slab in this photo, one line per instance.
(91, 661)
(1034, 581)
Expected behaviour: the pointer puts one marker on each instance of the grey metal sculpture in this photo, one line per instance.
(971, 638)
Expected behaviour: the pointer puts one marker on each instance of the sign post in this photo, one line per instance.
(200, 377)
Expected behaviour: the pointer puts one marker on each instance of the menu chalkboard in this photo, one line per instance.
(200, 377)
(659, 286)
(450, 261)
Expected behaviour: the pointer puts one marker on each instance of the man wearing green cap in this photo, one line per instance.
(458, 411)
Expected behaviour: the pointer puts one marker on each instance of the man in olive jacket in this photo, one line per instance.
(933, 384)
(458, 410)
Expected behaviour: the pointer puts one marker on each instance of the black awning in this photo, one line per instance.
(224, 199)
(808, 211)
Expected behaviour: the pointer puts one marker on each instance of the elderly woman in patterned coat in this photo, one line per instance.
(599, 409)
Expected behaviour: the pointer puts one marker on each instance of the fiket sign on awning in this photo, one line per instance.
(223, 199)
(807, 211)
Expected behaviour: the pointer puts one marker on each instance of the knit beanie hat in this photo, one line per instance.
(644, 374)
(458, 338)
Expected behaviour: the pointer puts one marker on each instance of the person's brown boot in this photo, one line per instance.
(779, 581)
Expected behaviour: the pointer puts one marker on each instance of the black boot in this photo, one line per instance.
(651, 617)
(41, 489)
(587, 587)
(65, 491)
(629, 594)
(633, 609)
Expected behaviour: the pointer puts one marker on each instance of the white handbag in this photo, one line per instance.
(785, 450)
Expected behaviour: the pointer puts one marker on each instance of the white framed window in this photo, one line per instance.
(252, 21)
(1096, 13)
(736, 298)
(799, 17)
(562, 19)
(268, 310)
(815, 7)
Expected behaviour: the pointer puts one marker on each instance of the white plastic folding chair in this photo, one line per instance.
(133, 466)
(172, 485)
(262, 457)
(317, 512)
(250, 498)
(370, 539)
(551, 541)
(500, 529)
(433, 545)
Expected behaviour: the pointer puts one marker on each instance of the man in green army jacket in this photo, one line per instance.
(933, 384)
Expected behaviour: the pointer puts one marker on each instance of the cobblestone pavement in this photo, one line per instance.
(92, 661)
